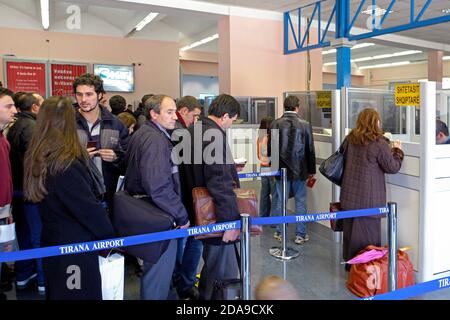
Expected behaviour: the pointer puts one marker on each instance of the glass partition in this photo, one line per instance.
(443, 114)
(394, 120)
(315, 107)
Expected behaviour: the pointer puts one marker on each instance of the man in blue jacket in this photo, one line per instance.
(104, 135)
(152, 172)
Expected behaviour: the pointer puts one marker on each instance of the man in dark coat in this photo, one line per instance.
(151, 172)
(212, 166)
(104, 135)
(189, 249)
(26, 214)
(297, 155)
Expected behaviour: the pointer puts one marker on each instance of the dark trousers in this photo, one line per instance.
(220, 263)
(156, 279)
(28, 231)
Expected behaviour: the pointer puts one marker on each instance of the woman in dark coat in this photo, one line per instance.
(368, 157)
(59, 175)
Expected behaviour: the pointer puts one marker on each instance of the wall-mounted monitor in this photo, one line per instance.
(116, 78)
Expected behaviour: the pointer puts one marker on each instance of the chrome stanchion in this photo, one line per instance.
(245, 256)
(284, 253)
(392, 242)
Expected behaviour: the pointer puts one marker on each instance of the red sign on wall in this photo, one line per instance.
(63, 76)
(26, 77)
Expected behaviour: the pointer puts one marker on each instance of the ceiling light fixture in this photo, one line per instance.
(200, 42)
(385, 65)
(356, 46)
(378, 12)
(446, 11)
(146, 20)
(45, 14)
(446, 58)
(329, 64)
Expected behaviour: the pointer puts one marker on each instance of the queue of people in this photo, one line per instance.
(66, 160)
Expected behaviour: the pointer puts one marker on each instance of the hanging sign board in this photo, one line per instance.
(407, 95)
(26, 77)
(323, 99)
(63, 76)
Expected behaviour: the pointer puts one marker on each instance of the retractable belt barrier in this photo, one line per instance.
(174, 234)
(414, 290)
(259, 174)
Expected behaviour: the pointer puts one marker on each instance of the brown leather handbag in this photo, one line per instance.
(205, 209)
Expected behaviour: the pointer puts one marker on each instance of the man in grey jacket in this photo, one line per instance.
(152, 173)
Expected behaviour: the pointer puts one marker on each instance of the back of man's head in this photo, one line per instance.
(26, 101)
(441, 127)
(275, 288)
(88, 79)
(189, 102)
(222, 104)
(290, 103)
(118, 104)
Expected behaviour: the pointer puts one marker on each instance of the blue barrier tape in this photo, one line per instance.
(174, 234)
(312, 217)
(115, 243)
(413, 291)
(259, 174)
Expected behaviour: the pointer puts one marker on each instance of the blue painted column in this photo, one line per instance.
(343, 55)
(344, 68)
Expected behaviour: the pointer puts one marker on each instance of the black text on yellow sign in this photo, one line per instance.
(407, 95)
(323, 99)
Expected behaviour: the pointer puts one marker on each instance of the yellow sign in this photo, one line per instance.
(407, 95)
(323, 99)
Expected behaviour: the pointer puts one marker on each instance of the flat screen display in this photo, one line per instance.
(116, 78)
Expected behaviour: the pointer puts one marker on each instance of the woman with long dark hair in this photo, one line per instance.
(59, 176)
(368, 157)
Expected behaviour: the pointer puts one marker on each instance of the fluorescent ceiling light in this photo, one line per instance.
(328, 51)
(45, 14)
(146, 20)
(362, 45)
(446, 58)
(329, 64)
(446, 11)
(378, 12)
(389, 55)
(200, 42)
(357, 46)
(385, 65)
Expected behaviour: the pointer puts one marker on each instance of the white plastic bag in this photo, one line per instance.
(8, 240)
(112, 271)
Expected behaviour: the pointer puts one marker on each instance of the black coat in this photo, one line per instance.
(71, 213)
(19, 136)
(151, 172)
(296, 146)
(220, 177)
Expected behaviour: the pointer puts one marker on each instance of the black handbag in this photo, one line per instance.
(228, 289)
(333, 167)
(135, 215)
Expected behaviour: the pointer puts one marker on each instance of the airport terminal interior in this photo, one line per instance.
(390, 55)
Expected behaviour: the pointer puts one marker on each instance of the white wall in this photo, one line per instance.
(195, 85)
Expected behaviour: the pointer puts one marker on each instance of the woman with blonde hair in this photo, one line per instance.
(60, 177)
(368, 157)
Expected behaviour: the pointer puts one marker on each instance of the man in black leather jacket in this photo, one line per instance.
(297, 155)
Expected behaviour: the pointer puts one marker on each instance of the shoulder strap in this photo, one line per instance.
(238, 259)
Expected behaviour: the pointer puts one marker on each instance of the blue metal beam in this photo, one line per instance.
(387, 12)
(404, 27)
(343, 69)
(425, 7)
(309, 26)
